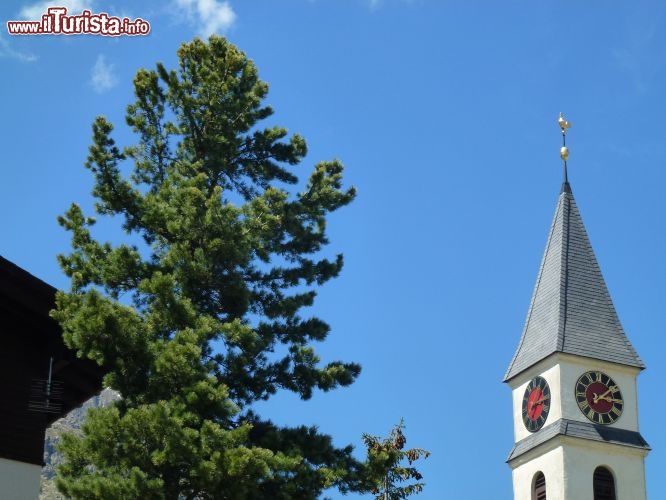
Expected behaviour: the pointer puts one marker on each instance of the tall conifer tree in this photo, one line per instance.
(200, 314)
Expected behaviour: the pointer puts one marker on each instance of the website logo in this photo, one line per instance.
(56, 22)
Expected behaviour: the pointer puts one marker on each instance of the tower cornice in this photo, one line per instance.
(579, 430)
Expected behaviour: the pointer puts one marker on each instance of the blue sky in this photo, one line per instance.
(445, 114)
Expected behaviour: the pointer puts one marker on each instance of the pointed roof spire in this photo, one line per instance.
(571, 309)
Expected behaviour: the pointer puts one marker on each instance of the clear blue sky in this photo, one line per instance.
(444, 112)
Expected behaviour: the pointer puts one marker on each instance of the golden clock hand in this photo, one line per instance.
(596, 398)
(538, 402)
(541, 400)
(609, 399)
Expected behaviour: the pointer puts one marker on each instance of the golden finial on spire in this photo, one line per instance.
(564, 124)
(564, 150)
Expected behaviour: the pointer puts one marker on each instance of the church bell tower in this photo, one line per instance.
(573, 378)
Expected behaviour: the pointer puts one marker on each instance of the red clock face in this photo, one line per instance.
(536, 404)
(599, 397)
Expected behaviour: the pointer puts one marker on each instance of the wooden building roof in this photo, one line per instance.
(30, 338)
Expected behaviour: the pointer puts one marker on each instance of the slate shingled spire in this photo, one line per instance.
(571, 310)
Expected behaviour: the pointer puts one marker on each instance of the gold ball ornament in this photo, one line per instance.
(564, 124)
(564, 153)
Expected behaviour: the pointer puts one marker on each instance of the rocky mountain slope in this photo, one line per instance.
(71, 423)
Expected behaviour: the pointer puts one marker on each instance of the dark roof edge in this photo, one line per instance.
(20, 287)
(580, 430)
(20, 273)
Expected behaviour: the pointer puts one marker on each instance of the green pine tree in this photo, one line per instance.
(199, 314)
(387, 475)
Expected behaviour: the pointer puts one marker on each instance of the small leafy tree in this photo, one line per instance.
(199, 314)
(385, 469)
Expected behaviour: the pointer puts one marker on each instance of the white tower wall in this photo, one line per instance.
(18, 480)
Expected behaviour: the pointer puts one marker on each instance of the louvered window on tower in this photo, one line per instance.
(539, 489)
(604, 484)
